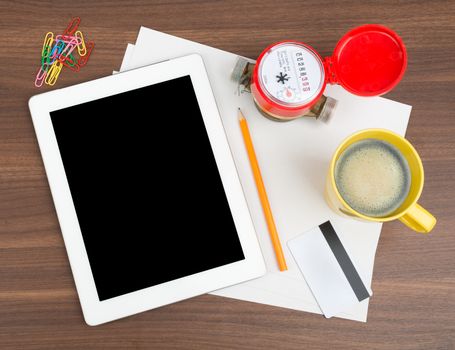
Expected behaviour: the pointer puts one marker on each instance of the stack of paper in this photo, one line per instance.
(294, 159)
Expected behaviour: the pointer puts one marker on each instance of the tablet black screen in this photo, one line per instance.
(146, 188)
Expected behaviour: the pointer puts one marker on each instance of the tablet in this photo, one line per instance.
(146, 191)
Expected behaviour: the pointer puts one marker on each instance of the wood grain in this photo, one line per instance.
(413, 306)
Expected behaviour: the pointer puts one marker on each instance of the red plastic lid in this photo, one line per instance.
(369, 60)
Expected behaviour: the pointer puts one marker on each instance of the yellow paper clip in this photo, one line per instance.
(53, 73)
(48, 39)
(81, 48)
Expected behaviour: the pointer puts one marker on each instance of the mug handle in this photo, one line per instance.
(418, 219)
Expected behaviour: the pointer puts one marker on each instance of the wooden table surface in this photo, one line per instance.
(413, 306)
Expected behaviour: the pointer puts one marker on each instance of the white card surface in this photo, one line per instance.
(294, 158)
(325, 276)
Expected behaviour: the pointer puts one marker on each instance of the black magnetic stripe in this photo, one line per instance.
(345, 262)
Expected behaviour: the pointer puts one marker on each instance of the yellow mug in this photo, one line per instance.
(410, 213)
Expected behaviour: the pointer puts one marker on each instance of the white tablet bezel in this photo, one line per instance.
(95, 311)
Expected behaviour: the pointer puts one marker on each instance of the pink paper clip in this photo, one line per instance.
(67, 50)
(68, 38)
(72, 26)
(84, 59)
(41, 75)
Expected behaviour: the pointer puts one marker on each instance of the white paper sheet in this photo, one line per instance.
(294, 159)
(127, 57)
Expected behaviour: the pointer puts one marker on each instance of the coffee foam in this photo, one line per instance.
(373, 177)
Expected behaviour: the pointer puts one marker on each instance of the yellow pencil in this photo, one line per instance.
(262, 193)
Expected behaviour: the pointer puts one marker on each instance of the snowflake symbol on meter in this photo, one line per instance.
(282, 78)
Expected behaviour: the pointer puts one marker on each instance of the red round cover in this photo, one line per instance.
(369, 60)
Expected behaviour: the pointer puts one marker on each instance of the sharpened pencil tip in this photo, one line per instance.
(240, 114)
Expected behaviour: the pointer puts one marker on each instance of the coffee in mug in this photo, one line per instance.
(373, 177)
(376, 175)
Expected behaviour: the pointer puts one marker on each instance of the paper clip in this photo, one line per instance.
(74, 67)
(45, 55)
(57, 49)
(53, 73)
(81, 48)
(48, 39)
(67, 50)
(72, 26)
(50, 59)
(70, 60)
(41, 75)
(47, 60)
(68, 38)
(84, 59)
